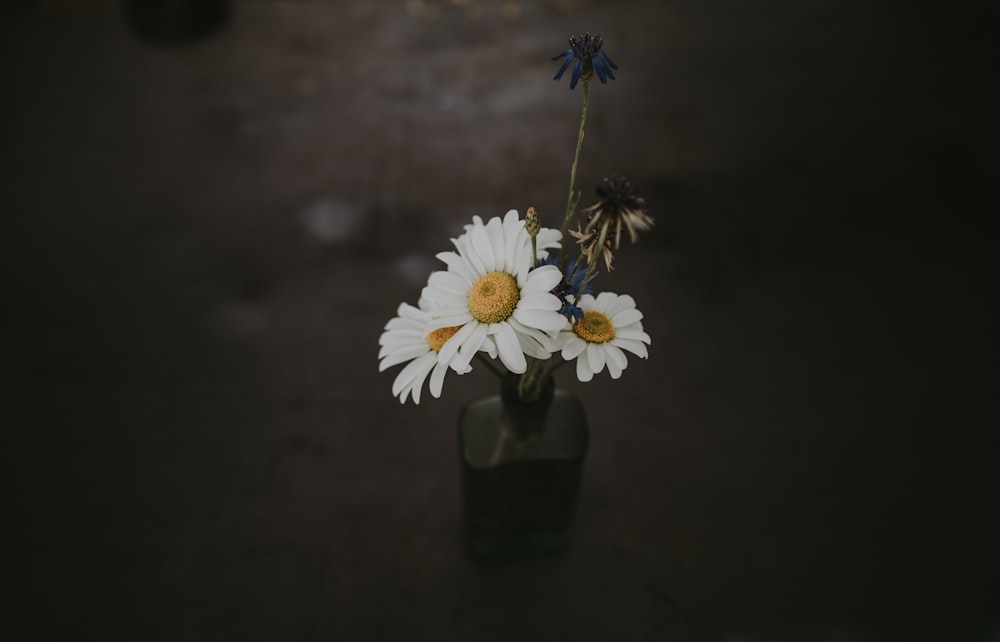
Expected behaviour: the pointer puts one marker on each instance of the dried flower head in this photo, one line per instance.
(586, 51)
(590, 244)
(619, 206)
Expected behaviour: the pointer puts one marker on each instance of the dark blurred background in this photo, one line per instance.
(210, 210)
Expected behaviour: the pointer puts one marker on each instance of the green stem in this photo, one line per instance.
(526, 382)
(572, 199)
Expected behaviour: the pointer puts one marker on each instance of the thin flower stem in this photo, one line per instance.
(492, 368)
(572, 199)
(539, 370)
(526, 383)
(595, 255)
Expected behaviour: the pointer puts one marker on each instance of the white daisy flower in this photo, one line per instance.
(547, 240)
(610, 324)
(406, 339)
(491, 292)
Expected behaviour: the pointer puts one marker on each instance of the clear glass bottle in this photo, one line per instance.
(521, 468)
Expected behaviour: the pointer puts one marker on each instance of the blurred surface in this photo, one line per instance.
(203, 242)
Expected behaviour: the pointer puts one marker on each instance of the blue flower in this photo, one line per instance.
(586, 52)
(570, 286)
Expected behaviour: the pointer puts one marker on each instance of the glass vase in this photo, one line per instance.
(521, 466)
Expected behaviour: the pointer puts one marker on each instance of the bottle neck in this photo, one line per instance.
(527, 418)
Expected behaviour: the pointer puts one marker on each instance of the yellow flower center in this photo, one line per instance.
(438, 338)
(594, 327)
(494, 297)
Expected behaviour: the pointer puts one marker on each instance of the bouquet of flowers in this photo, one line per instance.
(513, 291)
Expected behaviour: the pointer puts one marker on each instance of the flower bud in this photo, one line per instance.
(531, 222)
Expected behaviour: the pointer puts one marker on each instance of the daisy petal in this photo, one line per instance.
(508, 348)
(403, 355)
(415, 372)
(624, 302)
(595, 357)
(483, 248)
(574, 346)
(494, 230)
(541, 319)
(458, 266)
(614, 369)
(472, 345)
(532, 347)
(635, 347)
(626, 317)
(604, 301)
(615, 356)
(634, 333)
(449, 282)
(543, 279)
(451, 346)
(437, 380)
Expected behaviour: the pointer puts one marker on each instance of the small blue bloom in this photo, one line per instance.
(571, 286)
(586, 52)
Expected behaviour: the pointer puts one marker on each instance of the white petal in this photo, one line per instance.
(635, 347)
(626, 317)
(543, 279)
(624, 302)
(615, 356)
(414, 373)
(451, 346)
(398, 338)
(457, 265)
(450, 282)
(449, 319)
(444, 298)
(533, 347)
(530, 331)
(494, 230)
(511, 227)
(508, 347)
(472, 255)
(483, 248)
(604, 301)
(471, 345)
(547, 239)
(574, 346)
(401, 356)
(397, 323)
(634, 333)
(540, 301)
(540, 319)
(437, 380)
(595, 357)
(522, 259)
(489, 347)
(613, 369)
(407, 311)
(583, 372)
